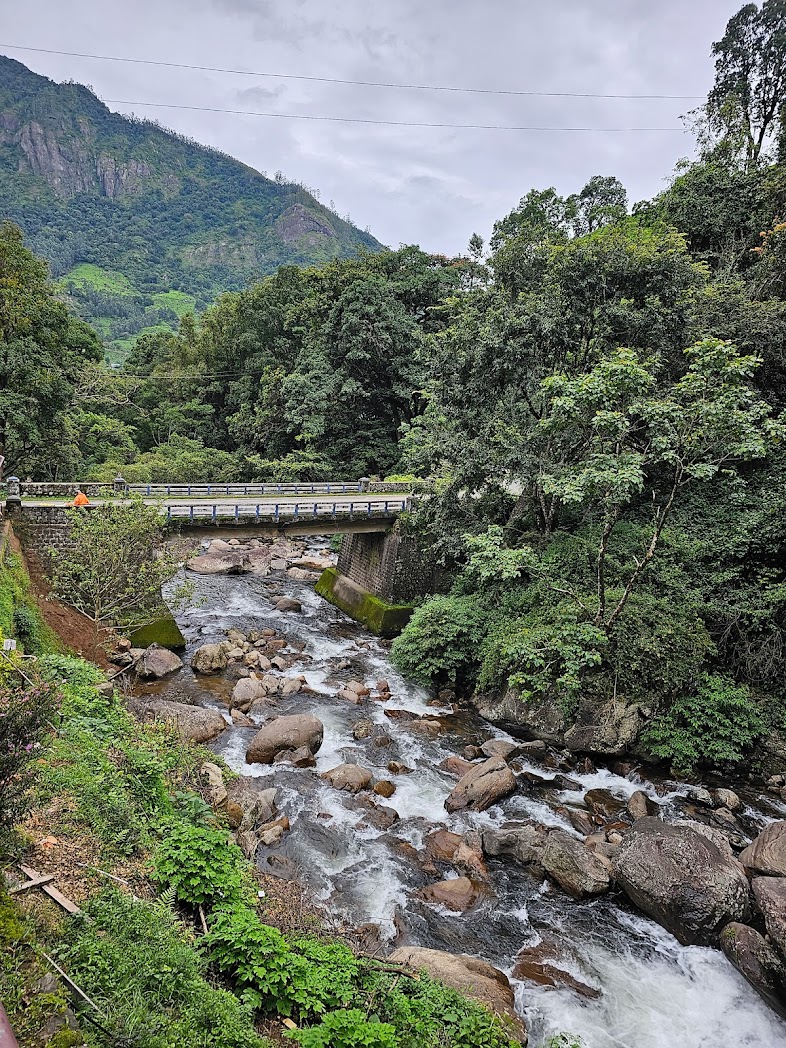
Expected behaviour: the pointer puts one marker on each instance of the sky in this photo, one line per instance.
(424, 185)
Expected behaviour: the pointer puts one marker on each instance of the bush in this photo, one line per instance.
(199, 863)
(440, 642)
(27, 710)
(141, 966)
(350, 1029)
(712, 725)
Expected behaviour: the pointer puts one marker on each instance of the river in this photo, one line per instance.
(654, 993)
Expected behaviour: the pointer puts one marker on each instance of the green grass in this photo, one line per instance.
(110, 281)
(178, 301)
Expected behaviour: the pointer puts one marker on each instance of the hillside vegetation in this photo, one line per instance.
(126, 212)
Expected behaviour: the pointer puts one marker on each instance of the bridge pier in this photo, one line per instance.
(377, 579)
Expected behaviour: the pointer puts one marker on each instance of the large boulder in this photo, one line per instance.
(220, 564)
(523, 841)
(684, 876)
(210, 658)
(247, 691)
(469, 975)
(767, 854)
(486, 784)
(457, 894)
(753, 957)
(157, 662)
(349, 777)
(573, 866)
(283, 734)
(250, 803)
(196, 723)
(770, 896)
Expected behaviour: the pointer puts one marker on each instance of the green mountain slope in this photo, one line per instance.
(140, 224)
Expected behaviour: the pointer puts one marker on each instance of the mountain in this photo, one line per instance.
(141, 225)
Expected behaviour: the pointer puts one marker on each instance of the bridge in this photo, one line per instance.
(379, 572)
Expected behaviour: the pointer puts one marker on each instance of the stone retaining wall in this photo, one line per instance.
(389, 565)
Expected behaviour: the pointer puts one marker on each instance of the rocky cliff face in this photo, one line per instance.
(69, 160)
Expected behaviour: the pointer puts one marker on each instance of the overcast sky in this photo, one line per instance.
(406, 184)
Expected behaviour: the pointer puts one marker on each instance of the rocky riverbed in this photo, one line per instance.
(604, 894)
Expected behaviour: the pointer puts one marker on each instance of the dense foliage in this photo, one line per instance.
(140, 224)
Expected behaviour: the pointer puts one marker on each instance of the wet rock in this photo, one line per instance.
(210, 658)
(603, 804)
(272, 833)
(397, 768)
(523, 841)
(472, 753)
(300, 758)
(458, 894)
(195, 723)
(573, 866)
(456, 766)
(384, 788)
(247, 691)
(699, 795)
(770, 896)
(441, 845)
(349, 777)
(292, 687)
(426, 726)
(363, 729)
(382, 687)
(727, 799)
(684, 876)
(640, 805)
(350, 696)
(288, 604)
(379, 815)
(579, 820)
(220, 564)
(755, 959)
(157, 662)
(237, 671)
(535, 749)
(469, 975)
(240, 720)
(285, 733)
(500, 748)
(358, 687)
(486, 784)
(537, 964)
(301, 575)
(767, 854)
(469, 858)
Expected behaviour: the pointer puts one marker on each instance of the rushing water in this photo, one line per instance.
(654, 992)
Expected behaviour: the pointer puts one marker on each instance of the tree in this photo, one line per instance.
(601, 202)
(619, 433)
(747, 98)
(116, 564)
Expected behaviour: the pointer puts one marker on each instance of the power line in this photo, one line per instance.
(389, 123)
(353, 83)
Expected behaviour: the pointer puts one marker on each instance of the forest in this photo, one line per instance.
(595, 399)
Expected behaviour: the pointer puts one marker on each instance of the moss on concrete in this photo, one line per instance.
(164, 631)
(383, 619)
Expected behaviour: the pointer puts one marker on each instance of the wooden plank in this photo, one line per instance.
(52, 892)
(36, 882)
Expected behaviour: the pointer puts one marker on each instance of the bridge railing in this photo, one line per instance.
(196, 513)
(101, 489)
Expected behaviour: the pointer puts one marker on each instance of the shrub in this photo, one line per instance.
(441, 640)
(27, 710)
(199, 863)
(712, 725)
(349, 1029)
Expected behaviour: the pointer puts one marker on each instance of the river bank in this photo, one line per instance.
(624, 980)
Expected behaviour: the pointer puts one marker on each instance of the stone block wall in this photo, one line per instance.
(389, 565)
(40, 529)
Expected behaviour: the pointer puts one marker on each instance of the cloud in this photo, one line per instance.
(408, 184)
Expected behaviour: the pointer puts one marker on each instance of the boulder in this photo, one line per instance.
(195, 723)
(573, 866)
(363, 729)
(349, 777)
(770, 896)
(384, 788)
(157, 662)
(441, 845)
(523, 841)
(603, 804)
(640, 805)
(753, 957)
(250, 803)
(247, 691)
(538, 964)
(469, 975)
(240, 720)
(220, 564)
(300, 758)
(289, 604)
(456, 766)
(210, 658)
(767, 854)
(285, 733)
(684, 876)
(727, 799)
(486, 784)
(500, 748)
(458, 894)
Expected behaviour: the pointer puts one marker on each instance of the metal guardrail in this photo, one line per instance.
(213, 512)
(67, 489)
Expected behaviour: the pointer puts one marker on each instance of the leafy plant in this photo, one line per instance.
(349, 1029)
(712, 725)
(199, 863)
(441, 640)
